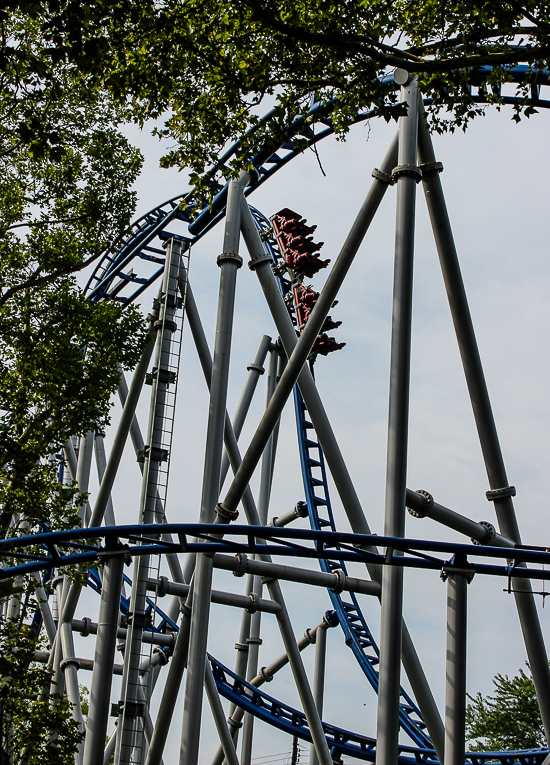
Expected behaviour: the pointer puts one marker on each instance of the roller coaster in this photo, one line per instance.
(164, 650)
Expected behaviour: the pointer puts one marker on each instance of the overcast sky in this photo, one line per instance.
(495, 180)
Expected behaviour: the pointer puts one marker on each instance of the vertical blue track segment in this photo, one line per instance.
(356, 630)
(358, 636)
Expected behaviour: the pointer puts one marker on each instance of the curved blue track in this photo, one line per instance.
(114, 279)
(80, 550)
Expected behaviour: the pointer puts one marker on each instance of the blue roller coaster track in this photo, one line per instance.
(114, 278)
(41, 552)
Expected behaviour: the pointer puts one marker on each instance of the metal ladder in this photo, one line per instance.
(136, 691)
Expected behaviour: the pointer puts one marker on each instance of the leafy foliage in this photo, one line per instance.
(211, 65)
(65, 177)
(508, 720)
(37, 728)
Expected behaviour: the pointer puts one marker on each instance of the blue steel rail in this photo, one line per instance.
(340, 741)
(114, 278)
(284, 542)
(356, 630)
(358, 635)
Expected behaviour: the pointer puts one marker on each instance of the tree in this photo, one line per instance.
(36, 731)
(210, 65)
(508, 720)
(65, 178)
(66, 173)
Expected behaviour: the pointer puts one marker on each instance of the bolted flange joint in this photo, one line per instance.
(407, 171)
(253, 263)
(70, 662)
(428, 504)
(491, 533)
(229, 257)
(162, 586)
(257, 367)
(431, 167)
(223, 512)
(340, 581)
(86, 626)
(380, 175)
(242, 561)
(266, 676)
(254, 602)
(506, 491)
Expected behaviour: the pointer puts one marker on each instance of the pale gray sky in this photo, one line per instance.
(495, 180)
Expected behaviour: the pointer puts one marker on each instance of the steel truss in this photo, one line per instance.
(168, 647)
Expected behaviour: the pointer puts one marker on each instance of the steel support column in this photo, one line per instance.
(455, 668)
(253, 639)
(483, 414)
(100, 691)
(407, 176)
(130, 735)
(229, 263)
(319, 677)
(255, 370)
(323, 428)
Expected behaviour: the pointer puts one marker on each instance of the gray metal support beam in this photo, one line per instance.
(253, 638)
(398, 420)
(267, 674)
(422, 505)
(483, 414)
(455, 668)
(241, 564)
(299, 355)
(130, 738)
(323, 429)
(171, 687)
(100, 691)
(121, 435)
(319, 676)
(216, 596)
(255, 370)
(219, 717)
(229, 263)
(275, 591)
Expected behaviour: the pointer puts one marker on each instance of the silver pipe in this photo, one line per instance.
(225, 598)
(389, 678)
(255, 370)
(267, 674)
(219, 717)
(103, 665)
(123, 429)
(253, 639)
(421, 505)
(45, 610)
(455, 672)
(483, 414)
(101, 464)
(319, 680)
(171, 687)
(131, 732)
(83, 466)
(229, 262)
(329, 444)
(242, 564)
(139, 444)
(253, 519)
